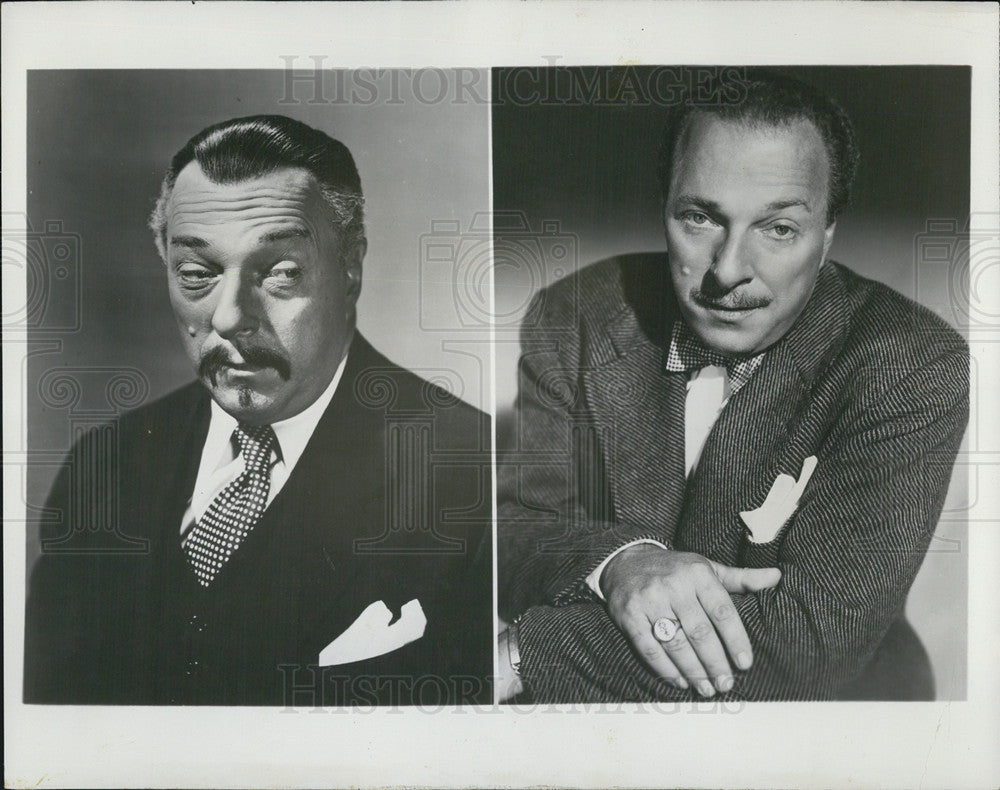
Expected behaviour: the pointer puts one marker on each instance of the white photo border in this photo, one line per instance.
(773, 745)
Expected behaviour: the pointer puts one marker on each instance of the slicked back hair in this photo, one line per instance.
(767, 99)
(242, 149)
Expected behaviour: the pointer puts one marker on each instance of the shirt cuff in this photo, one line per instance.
(513, 649)
(594, 579)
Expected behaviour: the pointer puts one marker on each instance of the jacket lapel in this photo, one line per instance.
(638, 409)
(738, 459)
(165, 459)
(300, 557)
(755, 437)
(170, 460)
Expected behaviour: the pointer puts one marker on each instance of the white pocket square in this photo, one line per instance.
(371, 635)
(766, 521)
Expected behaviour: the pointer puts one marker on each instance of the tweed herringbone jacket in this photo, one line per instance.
(870, 383)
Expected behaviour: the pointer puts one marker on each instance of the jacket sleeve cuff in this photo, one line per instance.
(575, 653)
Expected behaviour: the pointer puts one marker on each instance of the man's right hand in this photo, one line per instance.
(645, 582)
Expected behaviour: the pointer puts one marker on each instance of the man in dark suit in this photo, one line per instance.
(735, 454)
(314, 519)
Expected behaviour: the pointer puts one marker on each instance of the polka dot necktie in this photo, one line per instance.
(237, 508)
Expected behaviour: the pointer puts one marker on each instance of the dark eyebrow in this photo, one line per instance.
(712, 206)
(780, 204)
(188, 241)
(694, 200)
(197, 243)
(285, 233)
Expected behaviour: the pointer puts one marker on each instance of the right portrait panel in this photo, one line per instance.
(732, 382)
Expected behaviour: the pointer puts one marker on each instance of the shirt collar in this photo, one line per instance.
(293, 434)
(688, 354)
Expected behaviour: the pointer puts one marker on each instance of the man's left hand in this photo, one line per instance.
(644, 583)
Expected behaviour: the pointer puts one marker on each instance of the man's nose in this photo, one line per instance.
(730, 264)
(237, 309)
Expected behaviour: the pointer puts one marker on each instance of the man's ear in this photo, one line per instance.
(828, 239)
(353, 269)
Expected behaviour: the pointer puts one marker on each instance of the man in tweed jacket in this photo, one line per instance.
(856, 395)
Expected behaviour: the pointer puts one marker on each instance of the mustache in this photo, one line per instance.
(713, 294)
(217, 358)
(734, 300)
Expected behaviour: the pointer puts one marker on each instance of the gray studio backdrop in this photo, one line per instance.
(102, 335)
(574, 154)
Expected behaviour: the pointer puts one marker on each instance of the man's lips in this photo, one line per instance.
(244, 370)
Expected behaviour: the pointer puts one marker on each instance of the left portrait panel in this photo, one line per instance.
(259, 412)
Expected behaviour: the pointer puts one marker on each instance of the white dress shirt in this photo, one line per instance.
(708, 392)
(221, 463)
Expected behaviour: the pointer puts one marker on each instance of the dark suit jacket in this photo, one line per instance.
(389, 501)
(872, 384)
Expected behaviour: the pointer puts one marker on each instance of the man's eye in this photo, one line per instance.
(696, 218)
(192, 276)
(782, 232)
(284, 273)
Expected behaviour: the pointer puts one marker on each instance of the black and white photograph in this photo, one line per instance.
(558, 394)
(307, 522)
(740, 396)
